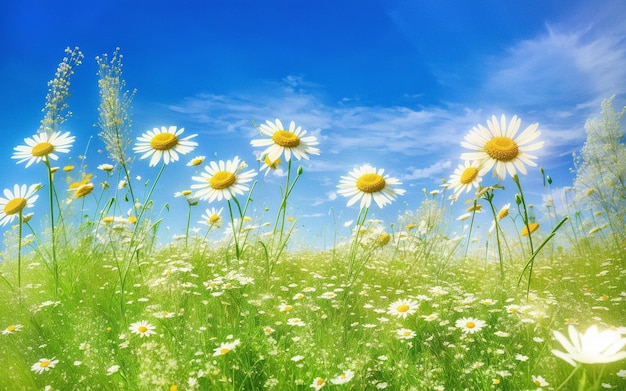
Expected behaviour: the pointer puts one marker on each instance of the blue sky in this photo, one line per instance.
(396, 84)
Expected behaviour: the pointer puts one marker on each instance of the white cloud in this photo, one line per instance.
(439, 169)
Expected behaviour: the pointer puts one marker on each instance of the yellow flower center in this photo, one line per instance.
(173, 387)
(402, 308)
(286, 139)
(470, 325)
(83, 190)
(320, 381)
(15, 206)
(11, 328)
(384, 239)
(224, 351)
(468, 175)
(142, 329)
(501, 148)
(222, 180)
(214, 219)
(44, 364)
(164, 141)
(42, 149)
(503, 213)
(370, 183)
(271, 164)
(533, 227)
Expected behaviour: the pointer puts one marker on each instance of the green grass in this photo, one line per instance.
(86, 325)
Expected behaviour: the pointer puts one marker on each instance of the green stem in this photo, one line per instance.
(19, 259)
(52, 231)
(489, 197)
(568, 378)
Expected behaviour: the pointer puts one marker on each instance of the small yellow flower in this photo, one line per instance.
(533, 227)
(68, 168)
(384, 239)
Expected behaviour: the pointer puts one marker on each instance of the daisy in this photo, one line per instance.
(269, 165)
(592, 347)
(502, 213)
(196, 161)
(223, 180)
(345, 377)
(164, 143)
(13, 203)
(470, 325)
(285, 142)
(533, 227)
(465, 177)
(318, 383)
(105, 167)
(539, 381)
(143, 328)
(295, 322)
(405, 333)
(402, 308)
(225, 347)
(43, 365)
(498, 148)
(366, 183)
(42, 146)
(12, 329)
(83, 190)
(212, 217)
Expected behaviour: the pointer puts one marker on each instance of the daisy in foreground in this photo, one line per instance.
(226, 347)
(318, 383)
(43, 146)
(470, 325)
(465, 177)
(285, 142)
(212, 217)
(43, 365)
(345, 377)
(13, 203)
(402, 308)
(366, 183)
(143, 329)
(592, 347)
(12, 329)
(498, 148)
(222, 180)
(164, 143)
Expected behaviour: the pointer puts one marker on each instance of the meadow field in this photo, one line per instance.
(92, 300)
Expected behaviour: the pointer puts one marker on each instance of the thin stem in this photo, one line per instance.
(489, 197)
(568, 378)
(19, 259)
(52, 231)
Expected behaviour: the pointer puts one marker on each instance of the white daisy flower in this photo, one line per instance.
(164, 143)
(366, 183)
(13, 203)
(287, 142)
(43, 146)
(497, 147)
(222, 180)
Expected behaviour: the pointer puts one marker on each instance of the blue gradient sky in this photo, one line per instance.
(396, 84)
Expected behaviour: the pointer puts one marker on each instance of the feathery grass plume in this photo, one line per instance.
(601, 168)
(115, 119)
(56, 108)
